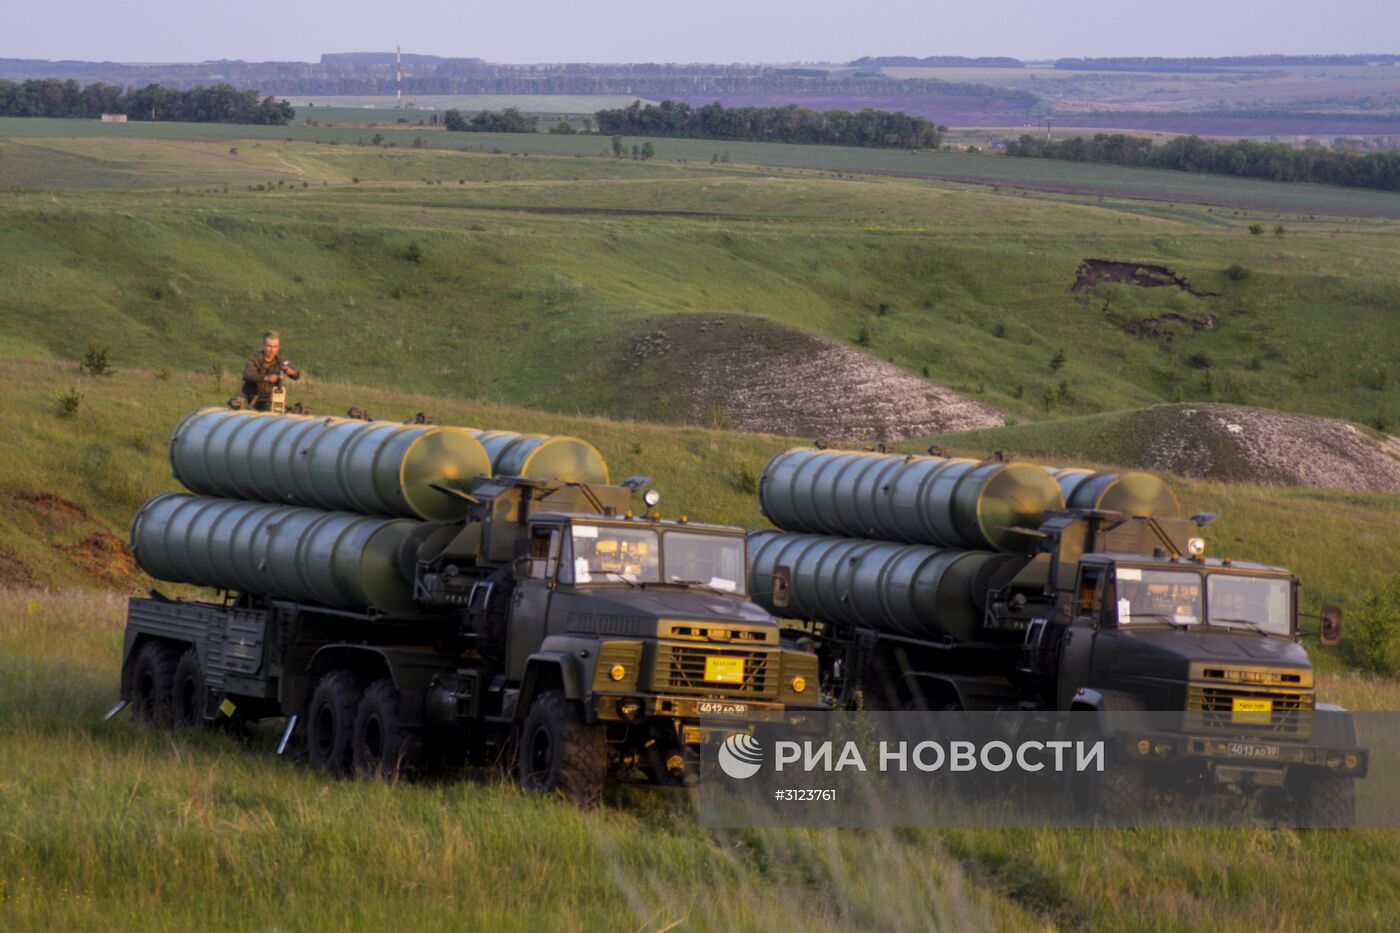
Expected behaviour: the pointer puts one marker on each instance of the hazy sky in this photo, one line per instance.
(695, 31)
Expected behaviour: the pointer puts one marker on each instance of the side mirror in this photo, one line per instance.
(782, 586)
(523, 565)
(1331, 632)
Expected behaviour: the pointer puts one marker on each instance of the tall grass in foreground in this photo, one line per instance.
(107, 825)
(111, 825)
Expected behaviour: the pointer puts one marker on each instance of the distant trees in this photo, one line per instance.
(1247, 158)
(221, 103)
(510, 120)
(790, 124)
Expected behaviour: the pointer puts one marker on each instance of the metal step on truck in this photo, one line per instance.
(411, 595)
(929, 583)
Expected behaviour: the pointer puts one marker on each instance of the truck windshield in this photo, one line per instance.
(603, 553)
(621, 554)
(1261, 603)
(712, 560)
(1172, 597)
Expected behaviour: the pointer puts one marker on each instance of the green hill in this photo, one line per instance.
(539, 277)
(588, 296)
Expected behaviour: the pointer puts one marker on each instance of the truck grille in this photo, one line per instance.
(681, 669)
(1213, 709)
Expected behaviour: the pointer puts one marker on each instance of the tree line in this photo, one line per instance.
(222, 103)
(510, 120)
(790, 124)
(1246, 158)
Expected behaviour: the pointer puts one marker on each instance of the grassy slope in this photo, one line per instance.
(106, 823)
(540, 273)
(1042, 174)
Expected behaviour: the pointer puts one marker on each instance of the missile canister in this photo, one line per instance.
(336, 559)
(953, 503)
(1134, 492)
(910, 590)
(540, 456)
(375, 467)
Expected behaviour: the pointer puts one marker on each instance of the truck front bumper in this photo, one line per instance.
(1244, 759)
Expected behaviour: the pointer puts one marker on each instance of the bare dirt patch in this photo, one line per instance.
(1260, 445)
(1091, 272)
(104, 557)
(52, 507)
(13, 570)
(783, 381)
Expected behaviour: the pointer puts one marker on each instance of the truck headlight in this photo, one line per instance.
(799, 684)
(617, 672)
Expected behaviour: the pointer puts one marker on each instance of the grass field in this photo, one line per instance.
(537, 277)
(540, 276)
(108, 824)
(986, 168)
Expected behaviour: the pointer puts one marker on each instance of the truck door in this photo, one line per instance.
(1077, 648)
(529, 606)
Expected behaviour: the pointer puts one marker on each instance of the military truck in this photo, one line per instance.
(943, 584)
(408, 595)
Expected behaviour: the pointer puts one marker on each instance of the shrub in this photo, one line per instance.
(863, 336)
(745, 480)
(1236, 272)
(414, 252)
(1373, 631)
(1256, 229)
(999, 331)
(95, 361)
(1058, 360)
(1198, 361)
(1279, 231)
(66, 403)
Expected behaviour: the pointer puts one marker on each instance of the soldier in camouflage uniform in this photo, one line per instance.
(264, 371)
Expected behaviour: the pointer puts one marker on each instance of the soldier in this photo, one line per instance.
(264, 372)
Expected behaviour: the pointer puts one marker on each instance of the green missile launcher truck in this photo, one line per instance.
(545, 624)
(1191, 665)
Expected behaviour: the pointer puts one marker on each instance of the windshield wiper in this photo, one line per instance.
(1251, 623)
(702, 585)
(1180, 626)
(620, 575)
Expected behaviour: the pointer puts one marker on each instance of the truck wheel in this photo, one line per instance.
(1117, 795)
(382, 746)
(560, 752)
(330, 722)
(153, 680)
(1326, 802)
(188, 697)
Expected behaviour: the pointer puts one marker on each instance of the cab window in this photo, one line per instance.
(1171, 597)
(613, 554)
(543, 553)
(1090, 599)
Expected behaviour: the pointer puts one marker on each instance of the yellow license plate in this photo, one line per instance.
(690, 735)
(1250, 710)
(724, 670)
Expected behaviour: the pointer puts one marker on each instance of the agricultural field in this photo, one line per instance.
(1045, 175)
(468, 103)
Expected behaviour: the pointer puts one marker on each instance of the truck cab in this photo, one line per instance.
(1193, 664)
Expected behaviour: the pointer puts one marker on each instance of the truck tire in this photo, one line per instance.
(153, 681)
(1326, 802)
(1116, 796)
(383, 747)
(330, 722)
(188, 696)
(561, 753)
